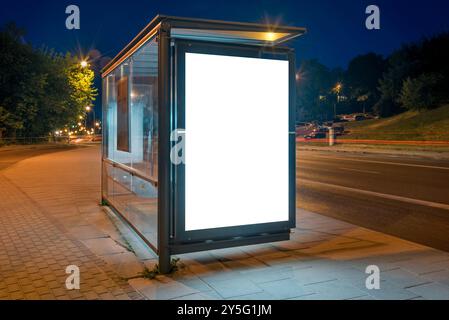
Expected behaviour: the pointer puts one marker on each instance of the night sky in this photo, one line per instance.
(336, 29)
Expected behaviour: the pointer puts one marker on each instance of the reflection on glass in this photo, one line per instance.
(137, 146)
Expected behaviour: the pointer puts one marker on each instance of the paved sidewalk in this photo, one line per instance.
(325, 259)
(42, 204)
(50, 218)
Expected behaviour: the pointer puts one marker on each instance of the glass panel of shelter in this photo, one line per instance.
(134, 196)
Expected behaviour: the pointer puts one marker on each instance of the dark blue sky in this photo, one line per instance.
(336, 27)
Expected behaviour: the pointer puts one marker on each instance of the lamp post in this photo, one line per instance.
(88, 109)
(337, 90)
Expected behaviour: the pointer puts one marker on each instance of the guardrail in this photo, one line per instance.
(33, 140)
(50, 140)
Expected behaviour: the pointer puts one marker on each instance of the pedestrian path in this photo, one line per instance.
(36, 248)
(325, 259)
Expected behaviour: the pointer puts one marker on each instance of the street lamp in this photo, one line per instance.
(337, 90)
(84, 64)
(88, 109)
(338, 87)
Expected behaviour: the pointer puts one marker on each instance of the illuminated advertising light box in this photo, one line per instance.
(236, 166)
(235, 107)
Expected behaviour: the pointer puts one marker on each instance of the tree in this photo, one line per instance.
(40, 91)
(81, 80)
(428, 56)
(20, 83)
(362, 78)
(420, 93)
(314, 82)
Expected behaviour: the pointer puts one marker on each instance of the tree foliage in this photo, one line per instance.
(40, 91)
(362, 80)
(314, 88)
(415, 76)
(420, 66)
(419, 93)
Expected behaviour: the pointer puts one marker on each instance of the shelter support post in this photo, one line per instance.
(164, 151)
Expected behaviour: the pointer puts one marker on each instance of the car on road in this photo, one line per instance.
(317, 133)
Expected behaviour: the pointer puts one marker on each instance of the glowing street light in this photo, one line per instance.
(337, 90)
(270, 36)
(84, 64)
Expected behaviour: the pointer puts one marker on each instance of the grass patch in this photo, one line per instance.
(429, 125)
(153, 273)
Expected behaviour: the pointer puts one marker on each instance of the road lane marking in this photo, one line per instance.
(386, 162)
(357, 170)
(381, 195)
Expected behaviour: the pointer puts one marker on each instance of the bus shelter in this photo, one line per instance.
(199, 135)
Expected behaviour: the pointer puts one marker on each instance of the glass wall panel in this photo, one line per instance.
(131, 139)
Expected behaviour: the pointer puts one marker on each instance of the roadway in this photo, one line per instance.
(401, 196)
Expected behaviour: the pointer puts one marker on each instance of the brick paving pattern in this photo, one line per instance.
(36, 249)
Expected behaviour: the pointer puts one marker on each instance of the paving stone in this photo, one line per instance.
(403, 278)
(125, 264)
(259, 296)
(104, 246)
(234, 288)
(269, 274)
(195, 283)
(160, 290)
(389, 291)
(285, 289)
(336, 290)
(209, 295)
(313, 275)
(431, 291)
(86, 232)
(438, 276)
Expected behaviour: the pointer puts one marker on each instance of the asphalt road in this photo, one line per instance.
(405, 197)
